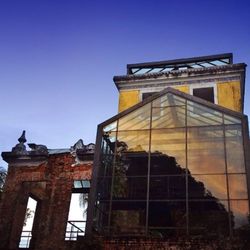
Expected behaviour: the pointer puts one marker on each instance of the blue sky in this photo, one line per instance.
(58, 57)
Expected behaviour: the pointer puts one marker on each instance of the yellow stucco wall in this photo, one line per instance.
(229, 95)
(184, 89)
(127, 99)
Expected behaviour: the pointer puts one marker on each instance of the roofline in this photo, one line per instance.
(181, 60)
(178, 93)
(117, 79)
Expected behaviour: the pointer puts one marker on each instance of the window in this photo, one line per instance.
(26, 234)
(206, 92)
(78, 210)
(147, 94)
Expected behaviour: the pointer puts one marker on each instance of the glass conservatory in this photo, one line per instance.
(170, 166)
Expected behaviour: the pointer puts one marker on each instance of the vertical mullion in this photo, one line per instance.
(112, 183)
(186, 159)
(225, 157)
(149, 159)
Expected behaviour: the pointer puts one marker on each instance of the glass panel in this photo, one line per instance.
(234, 147)
(237, 186)
(240, 213)
(167, 187)
(206, 150)
(168, 100)
(101, 216)
(171, 215)
(199, 115)
(111, 127)
(129, 188)
(208, 218)
(168, 147)
(231, 120)
(104, 188)
(138, 119)
(133, 141)
(207, 187)
(168, 117)
(128, 218)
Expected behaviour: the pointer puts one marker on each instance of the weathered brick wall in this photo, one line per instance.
(51, 184)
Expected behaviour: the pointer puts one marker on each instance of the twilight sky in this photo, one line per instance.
(58, 57)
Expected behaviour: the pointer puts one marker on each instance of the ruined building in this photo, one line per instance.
(173, 164)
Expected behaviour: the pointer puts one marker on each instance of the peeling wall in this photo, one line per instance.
(128, 99)
(229, 95)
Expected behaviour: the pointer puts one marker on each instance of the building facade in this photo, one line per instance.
(175, 161)
(170, 171)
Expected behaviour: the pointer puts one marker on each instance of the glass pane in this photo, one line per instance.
(128, 218)
(169, 100)
(168, 147)
(199, 115)
(104, 188)
(170, 214)
(234, 147)
(168, 117)
(206, 150)
(240, 213)
(111, 127)
(237, 186)
(231, 120)
(167, 187)
(207, 187)
(133, 141)
(138, 119)
(130, 188)
(208, 218)
(101, 216)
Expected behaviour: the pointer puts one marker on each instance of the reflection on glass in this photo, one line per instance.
(240, 213)
(199, 115)
(138, 119)
(206, 150)
(164, 215)
(237, 186)
(136, 141)
(104, 188)
(128, 218)
(167, 187)
(130, 188)
(170, 142)
(168, 117)
(207, 186)
(184, 192)
(110, 127)
(234, 149)
(168, 100)
(208, 217)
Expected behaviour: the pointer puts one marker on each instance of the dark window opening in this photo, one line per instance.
(146, 95)
(205, 93)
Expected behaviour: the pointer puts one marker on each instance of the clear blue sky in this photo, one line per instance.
(58, 57)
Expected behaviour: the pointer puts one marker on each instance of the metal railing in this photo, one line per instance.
(74, 229)
(25, 239)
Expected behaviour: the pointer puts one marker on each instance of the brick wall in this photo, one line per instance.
(50, 183)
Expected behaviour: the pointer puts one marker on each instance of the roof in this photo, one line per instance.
(193, 62)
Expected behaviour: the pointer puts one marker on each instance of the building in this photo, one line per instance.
(172, 166)
(175, 160)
